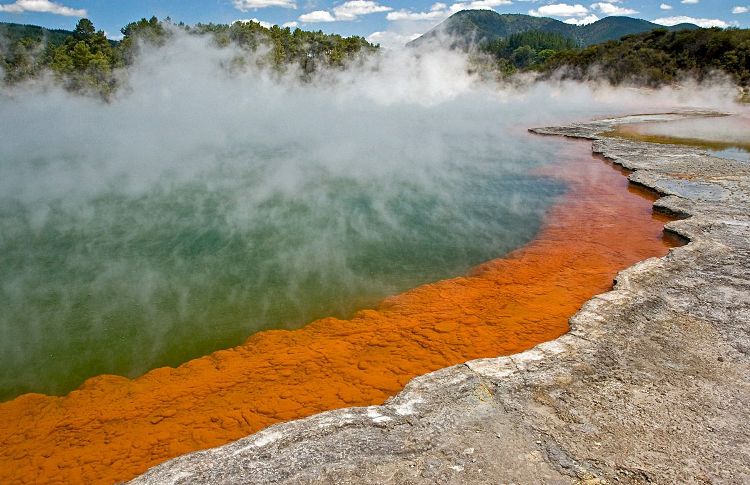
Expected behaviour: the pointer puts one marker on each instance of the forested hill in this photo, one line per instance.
(658, 57)
(477, 27)
(13, 33)
(651, 59)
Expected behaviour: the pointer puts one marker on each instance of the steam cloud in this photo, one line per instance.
(207, 201)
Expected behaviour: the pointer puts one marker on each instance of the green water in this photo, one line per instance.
(116, 281)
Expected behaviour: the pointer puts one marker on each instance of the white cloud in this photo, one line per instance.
(291, 25)
(608, 8)
(391, 40)
(350, 10)
(118, 36)
(316, 16)
(245, 5)
(665, 6)
(479, 5)
(589, 19)
(262, 23)
(689, 2)
(560, 10)
(681, 19)
(354, 8)
(438, 11)
(43, 6)
(740, 10)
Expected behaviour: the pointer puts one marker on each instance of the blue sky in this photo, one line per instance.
(389, 22)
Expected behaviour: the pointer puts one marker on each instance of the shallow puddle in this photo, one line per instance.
(721, 136)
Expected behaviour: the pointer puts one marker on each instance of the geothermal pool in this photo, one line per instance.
(112, 281)
(113, 428)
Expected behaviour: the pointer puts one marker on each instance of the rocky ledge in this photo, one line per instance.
(652, 384)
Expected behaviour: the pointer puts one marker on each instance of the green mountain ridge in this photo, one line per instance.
(473, 27)
(15, 32)
(12, 33)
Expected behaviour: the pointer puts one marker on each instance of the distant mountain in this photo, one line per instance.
(15, 32)
(470, 27)
(614, 28)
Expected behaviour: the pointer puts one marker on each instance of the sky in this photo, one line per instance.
(388, 22)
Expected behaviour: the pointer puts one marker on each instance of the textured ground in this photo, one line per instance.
(652, 383)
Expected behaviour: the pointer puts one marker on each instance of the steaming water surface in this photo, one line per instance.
(120, 283)
(102, 278)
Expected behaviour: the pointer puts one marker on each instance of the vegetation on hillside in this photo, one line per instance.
(620, 50)
(659, 57)
(473, 28)
(527, 49)
(651, 59)
(84, 60)
(289, 47)
(12, 33)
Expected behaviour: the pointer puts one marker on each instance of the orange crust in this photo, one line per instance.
(113, 428)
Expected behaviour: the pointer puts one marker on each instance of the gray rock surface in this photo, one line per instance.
(652, 384)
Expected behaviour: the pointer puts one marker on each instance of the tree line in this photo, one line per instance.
(658, 58)
(85, 60)
(652, 59)
(526, 50)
